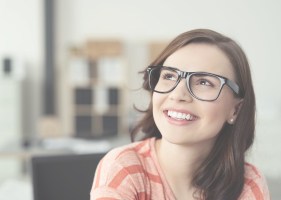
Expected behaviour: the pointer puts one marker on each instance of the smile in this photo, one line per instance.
(181, 116)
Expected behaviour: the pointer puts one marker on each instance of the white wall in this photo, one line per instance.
(21, 33)
(21, 39)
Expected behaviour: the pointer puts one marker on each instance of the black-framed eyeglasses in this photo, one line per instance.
(203, 86)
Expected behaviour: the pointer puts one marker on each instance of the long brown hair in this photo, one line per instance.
(221, 175)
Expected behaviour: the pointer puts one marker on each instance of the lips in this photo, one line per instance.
(181, 115)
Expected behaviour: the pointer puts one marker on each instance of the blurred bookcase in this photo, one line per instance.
(97, 83)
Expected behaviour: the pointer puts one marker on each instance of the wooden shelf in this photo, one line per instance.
(97, 83)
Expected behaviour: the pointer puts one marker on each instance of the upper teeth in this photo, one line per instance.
(178, 115)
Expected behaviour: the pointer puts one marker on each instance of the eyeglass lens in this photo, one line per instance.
(202, 86)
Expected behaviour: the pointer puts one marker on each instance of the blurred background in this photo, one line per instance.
(69, 74)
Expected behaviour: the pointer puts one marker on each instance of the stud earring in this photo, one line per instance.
(231, 121)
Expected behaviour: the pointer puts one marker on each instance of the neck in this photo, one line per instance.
(179, 162)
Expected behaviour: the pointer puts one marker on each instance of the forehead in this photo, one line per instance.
(201, 57)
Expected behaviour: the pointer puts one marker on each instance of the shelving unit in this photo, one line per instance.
(97, 83)
(97, 118)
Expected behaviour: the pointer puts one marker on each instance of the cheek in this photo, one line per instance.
(155, 103)
(157, 100)
(217, 114)
(222, 107)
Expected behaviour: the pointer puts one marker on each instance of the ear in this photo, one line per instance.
(235, 111)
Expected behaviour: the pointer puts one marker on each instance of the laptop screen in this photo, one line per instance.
(64, 177)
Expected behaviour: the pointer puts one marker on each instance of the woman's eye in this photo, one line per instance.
(204, 82)
(168, 76)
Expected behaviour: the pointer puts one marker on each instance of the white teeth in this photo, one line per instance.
(180, 116)
(188, 117)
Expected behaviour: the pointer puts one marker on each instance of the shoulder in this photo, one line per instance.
(255, 186)
(253, 176)
(122, 171)
(130, 154)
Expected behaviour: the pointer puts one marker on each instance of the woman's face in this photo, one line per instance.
(204, 119)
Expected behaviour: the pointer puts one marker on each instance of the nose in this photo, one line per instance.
(181, 92)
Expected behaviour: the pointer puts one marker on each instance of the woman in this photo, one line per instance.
(197, 128)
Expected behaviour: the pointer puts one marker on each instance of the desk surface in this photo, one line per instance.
(61, 145)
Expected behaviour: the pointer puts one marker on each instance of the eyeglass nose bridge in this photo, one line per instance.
(186, 76)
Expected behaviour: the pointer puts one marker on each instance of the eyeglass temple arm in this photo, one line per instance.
(233, 86)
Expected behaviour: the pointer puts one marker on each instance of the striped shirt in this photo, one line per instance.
(132, 172)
